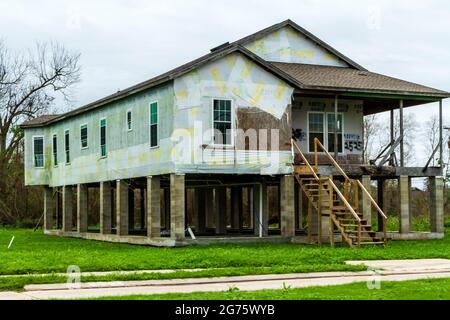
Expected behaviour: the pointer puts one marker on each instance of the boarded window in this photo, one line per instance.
(84, 136)
(67, 146)
(103, 137)
(154, 124)
(38, 147)
(129, 123)
(315, 128)
(55, 150)
(331, 125)
(222, 122)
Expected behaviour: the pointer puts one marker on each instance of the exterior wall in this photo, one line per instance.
(249, 87)
(352, 125)
(288, 45)
(128, 152)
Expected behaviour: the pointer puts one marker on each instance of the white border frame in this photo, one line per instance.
(126, 120)
(157, 125)
(87, 136)
(233, 124)
(43, 152)
(57, 149)
(65, 151)
(100, 137)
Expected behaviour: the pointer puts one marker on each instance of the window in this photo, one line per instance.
(315, 128)
(103, 137)
(55, 150)
(84, 136)
(67, 145)
(222, 122)
(129, 124)
(154, 124)
(331, 122)
(38, 151)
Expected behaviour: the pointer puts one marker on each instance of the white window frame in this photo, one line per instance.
(100, 137)
(43, 152)
(65, 149)
(53, 148)
(343, 131)
(324, 129)
(150, 124)
(87, 137)
(126, 120)
(232, 135)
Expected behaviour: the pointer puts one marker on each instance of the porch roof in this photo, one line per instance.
(349, 80)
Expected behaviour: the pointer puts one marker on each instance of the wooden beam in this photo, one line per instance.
(336, 107)
(402, 145)
(441, 137)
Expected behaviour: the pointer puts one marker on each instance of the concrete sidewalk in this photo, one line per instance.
(401, 270)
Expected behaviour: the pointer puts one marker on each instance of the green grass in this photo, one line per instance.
(33, 252)
(430, 289)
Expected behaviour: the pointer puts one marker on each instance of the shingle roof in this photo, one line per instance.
(348, 79)
(40, 120)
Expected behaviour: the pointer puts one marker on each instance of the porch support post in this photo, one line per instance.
(67, 208)
(122, 208)
(82, 208)
(402, 145)
(287, 206)
(380, 200)
(391, 160)
(441, 137)
(220, 199)
(437, 204)
(48, 209)
(177, 207)
(336, 107)
(105, 208)
(261, 210)
(404, 196)
(153, 207)
(366, 204)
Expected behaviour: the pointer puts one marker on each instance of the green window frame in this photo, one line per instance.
(55, 149)
(316, 128)
(129, 120)
(154, 135)
(103, 125)
(222, 122)
(330, 126)
(38, 151)
(84, 136)
(67, 145)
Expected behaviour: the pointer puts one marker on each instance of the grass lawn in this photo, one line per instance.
(33, 252)
(433, 289)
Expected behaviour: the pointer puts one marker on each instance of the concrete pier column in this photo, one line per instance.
(67, 208)
(437, 204)
(200, 210)
(105, 208)
(404, 197)
(177, 206)
(366, 203)
(122, 208)
(153, 207)
(82, 208)
(220, 199)
(287, 206)
(261, 210)
(49, 208)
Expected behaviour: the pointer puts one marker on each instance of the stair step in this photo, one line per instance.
(366, 243)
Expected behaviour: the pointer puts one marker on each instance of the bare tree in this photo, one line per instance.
(29, 84)
(372, 127)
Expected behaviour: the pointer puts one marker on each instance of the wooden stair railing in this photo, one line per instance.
(322, 190)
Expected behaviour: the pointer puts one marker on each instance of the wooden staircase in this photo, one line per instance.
(340, 207)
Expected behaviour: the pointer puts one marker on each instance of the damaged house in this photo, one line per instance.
(207, 150)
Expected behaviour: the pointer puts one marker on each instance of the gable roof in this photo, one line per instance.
(163, 78)
(306, 33)
(348, 79)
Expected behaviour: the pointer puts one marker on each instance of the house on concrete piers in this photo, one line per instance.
(260, 138)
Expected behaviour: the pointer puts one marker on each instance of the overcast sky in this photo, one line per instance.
(125, 42)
